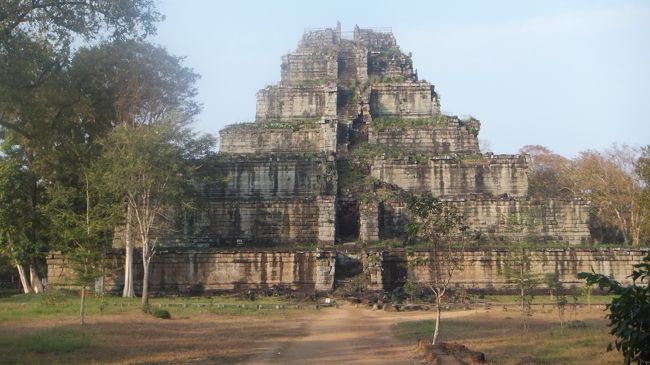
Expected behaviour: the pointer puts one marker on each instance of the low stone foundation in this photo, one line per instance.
(484, 270)
(198, 272)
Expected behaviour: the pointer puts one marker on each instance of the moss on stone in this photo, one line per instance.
(384, 123)
(293, 125)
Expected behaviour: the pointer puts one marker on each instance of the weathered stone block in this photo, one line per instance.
(369, 222)
(510, 220)
(268, 177)
(308, 67)
(209, 271)
(326, 219)
(490, 175)
(296, 137)
(485, 269)
(412, 99)
(449, 137)
(289, 102)
(253, 222)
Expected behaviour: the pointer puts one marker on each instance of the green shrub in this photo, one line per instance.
(161, 313)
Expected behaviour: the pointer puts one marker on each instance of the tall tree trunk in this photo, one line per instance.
(437, 326)
(27, 287)
(82, 306)
(128, 291)
(145, 285)
(522, 293)
(635, 226)
(145, 280)
(35, 280)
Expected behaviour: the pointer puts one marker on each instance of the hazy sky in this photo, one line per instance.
(569, 75)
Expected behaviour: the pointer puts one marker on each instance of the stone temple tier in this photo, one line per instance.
(335, 144)
(335, 148)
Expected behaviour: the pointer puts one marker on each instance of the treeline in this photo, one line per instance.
(615, 181)
(94, 133)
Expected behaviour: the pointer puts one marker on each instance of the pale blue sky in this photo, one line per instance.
(569, 75)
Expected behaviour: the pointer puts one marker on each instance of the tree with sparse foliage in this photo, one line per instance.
(629, 312)
(150, 166)
(439, 225)
(548, 173)
(83, 222)
(643, 170)
(557, 292)
(519, 272)
(609, 180)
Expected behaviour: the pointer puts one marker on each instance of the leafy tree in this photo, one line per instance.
(35, 46)
(22, 224)
(83, 221)
(58, 21)
(629, 312)
(438, 224)
(133, 83)
(150, 165)
(42, 114)
(556, 290)
(82, 210)
(518, 271)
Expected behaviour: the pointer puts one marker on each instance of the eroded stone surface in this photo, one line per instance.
(337, 94)
(335, 144)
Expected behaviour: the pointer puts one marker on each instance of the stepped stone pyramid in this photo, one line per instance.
(348, 127)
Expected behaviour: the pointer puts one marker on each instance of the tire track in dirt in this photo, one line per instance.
(349, 335)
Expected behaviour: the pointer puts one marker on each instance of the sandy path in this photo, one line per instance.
(349, 335)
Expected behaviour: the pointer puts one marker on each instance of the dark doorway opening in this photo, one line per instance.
(347, 220)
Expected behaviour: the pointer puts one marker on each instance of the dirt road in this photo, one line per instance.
(347, 335)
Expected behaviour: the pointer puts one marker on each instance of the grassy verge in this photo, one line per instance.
(500, 336)
(55, 345)
(57, 304)
(43, 329)
(546, 299)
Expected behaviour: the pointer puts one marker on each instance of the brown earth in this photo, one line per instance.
(344, 335)
(350, 335)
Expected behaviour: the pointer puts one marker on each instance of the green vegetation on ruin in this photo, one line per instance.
(384, 123)
(294, 125)
(379, 62)
(367, 152)
(212, 161)
(480, 244)
(353, 175)
(375, 79)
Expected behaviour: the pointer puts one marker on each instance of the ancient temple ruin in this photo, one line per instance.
(335, 145)
(349, 124)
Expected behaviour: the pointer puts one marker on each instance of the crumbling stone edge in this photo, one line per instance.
(433, 353)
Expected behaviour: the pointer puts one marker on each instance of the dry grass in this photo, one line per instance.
(135, 338)
(125, 335)
(44, 330)
(499, 335)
